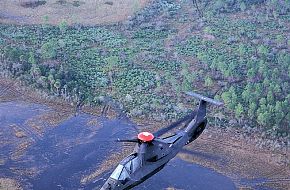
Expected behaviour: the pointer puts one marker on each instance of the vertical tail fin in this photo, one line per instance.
(201, 111)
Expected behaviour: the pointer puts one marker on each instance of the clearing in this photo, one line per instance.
(89, 12)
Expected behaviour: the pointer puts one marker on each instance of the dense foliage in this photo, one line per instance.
(238, 51)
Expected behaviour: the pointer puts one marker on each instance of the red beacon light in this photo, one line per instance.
(145, 136)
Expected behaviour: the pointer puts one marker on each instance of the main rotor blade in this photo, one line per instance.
(175, 124)
(127, 140)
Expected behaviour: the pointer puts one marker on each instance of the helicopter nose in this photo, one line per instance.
(110, 184)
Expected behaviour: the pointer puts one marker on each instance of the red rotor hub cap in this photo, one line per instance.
(145, 136)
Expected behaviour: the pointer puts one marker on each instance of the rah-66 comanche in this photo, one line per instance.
(153, 152)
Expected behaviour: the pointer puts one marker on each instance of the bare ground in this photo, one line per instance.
(86, 12)
(6, 183)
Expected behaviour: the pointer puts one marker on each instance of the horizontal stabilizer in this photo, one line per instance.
(209, 100)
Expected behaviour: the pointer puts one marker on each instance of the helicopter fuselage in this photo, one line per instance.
(159, 153)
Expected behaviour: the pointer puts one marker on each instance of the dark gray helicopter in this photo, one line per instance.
(153, 152)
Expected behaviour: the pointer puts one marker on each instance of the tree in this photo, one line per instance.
(234, 96)
(65, 90)
(48, 50)
(51, 81)
(280, 39)
(45, 20)
(57, 85)
(230, 98)
(35, 71)
(184, 71)
(263, 50)
(21, 58)
(219, 4)
(63, 26)
(186, 85)
(243, 6)
(264, 118)
(251, 73)
(242, 49)
(110, 67)
(270, 97)
(252, 110)
(246, 94)
(262, 67)
(208, 81)
(278, 112)
(31, 58)
(239, 110)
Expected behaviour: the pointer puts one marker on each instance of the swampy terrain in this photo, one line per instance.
(45, 146)
(75, 75)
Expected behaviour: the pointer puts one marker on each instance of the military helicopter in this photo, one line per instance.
(152, 152)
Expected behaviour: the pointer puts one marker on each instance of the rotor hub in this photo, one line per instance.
(145, 136)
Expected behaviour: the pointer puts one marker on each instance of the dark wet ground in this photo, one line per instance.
(59, 157)
(184, 175)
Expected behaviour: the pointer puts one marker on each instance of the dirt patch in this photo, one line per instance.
(6, 183)
(18, 132)
(20, 150)
(89, 12)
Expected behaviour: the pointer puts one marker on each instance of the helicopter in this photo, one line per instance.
(152, 152)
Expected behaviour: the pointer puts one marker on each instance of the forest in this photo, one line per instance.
(237, 51)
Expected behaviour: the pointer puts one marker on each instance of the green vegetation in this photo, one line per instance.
(252, 58)
(239, 51)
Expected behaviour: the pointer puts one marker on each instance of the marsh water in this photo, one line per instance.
(58, 157)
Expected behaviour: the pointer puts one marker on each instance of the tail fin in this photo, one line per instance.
(200, 116)
(205, 99)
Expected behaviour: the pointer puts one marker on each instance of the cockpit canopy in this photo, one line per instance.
(125, 169)
(120, 173)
